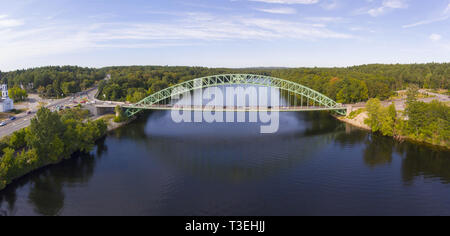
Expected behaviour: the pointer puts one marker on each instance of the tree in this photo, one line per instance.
(70, 87)
(17, 94)
(136, 97)
(120, 114)
(7, 168)
(388, 116)
(17, 139)
(352, 91)
(374, 113)
(411, 93)
(381, 119)
(45, 135)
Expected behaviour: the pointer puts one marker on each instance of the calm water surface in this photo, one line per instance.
(314, 165)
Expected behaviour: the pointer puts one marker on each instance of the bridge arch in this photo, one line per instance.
(234, 79)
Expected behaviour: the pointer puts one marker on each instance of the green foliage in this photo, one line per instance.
(120, 114)
(136, 95)
(426, 122)
(355, 113)
(53, 81)
(350, 83)
(17, 139)
(50, 138)
(373, 107)
(380, 119)
(17, 94)
(46, 131)
(70, 87)
(352, 91)
(412, 93)
(75, 113)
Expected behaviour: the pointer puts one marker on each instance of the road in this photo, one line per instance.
(23, 119)
(400, 104)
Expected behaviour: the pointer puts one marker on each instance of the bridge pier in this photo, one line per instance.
(349, 109)
(104, 110)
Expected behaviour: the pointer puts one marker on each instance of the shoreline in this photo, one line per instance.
(360, 125)
(114, 125)
(111, 125)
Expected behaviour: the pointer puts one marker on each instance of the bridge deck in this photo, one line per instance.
(238, 109)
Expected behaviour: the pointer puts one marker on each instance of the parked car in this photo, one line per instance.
(12, 118)
(28, 112)
(2, 124)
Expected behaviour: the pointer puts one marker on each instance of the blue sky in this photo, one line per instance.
(222, 33)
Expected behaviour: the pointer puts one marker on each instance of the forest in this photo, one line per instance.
(132, 83)
(53, 81)
(344, 85)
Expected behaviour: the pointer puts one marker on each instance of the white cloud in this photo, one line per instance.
(426, 22)
(445, 15)
(285, 11)
(288, 1)
(395, 4)
(5, 22)
(386, 6)
(333, 4)
(324, 19)
(362, 29)
(194, 28)
(435, 37)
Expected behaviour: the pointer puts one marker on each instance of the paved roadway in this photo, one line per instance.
(23, 119)
(400, 104)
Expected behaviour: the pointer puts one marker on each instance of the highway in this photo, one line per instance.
(23, 119)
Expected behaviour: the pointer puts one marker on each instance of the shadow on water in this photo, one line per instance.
(417, 160)
(425, 162)
(46, 193)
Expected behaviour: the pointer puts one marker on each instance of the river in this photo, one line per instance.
(314, 165)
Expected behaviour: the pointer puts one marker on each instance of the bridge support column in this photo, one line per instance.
(103, 110)
(349, 109)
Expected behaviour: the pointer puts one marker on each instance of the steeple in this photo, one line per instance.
(5, 91)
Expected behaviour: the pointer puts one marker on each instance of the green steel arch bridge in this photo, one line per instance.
(315, 101)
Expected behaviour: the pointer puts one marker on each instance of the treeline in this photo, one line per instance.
(50, 138)
(53, 81)
(132, 83)
(425, 122)
(359, 83)
(344, 85)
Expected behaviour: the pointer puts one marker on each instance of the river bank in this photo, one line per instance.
(110, 126)
(358, 121)
(50, 139)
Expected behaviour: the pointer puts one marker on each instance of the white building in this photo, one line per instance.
(6, 103)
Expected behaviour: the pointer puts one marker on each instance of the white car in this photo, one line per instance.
(2, 124)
